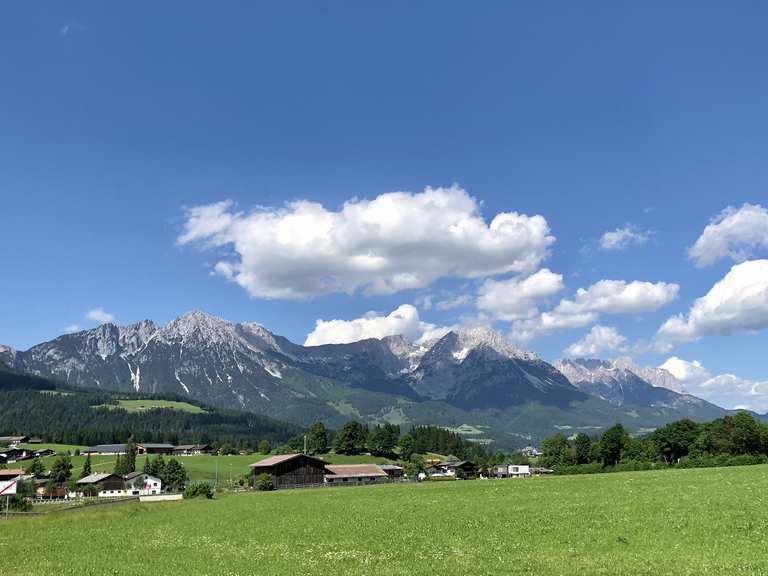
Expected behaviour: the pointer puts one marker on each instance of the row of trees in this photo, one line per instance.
(680, 443)
(385, 440)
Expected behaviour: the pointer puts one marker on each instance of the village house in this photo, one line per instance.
(142, 484)
(354, 474)
(12, 455)
(148, 448)
(107, 485)
(191, 449)
(13, 441)
(452, 467)
(44, 453)
(513, 471)
(530, 452)
(7, 474)
(291, 470)
(393, 471)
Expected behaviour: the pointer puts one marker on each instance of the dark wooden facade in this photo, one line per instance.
(291, 471)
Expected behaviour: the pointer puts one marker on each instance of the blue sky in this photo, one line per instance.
(117, 120)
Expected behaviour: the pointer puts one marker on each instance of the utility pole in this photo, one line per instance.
(305, 443)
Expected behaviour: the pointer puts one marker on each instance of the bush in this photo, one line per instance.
(705, 460)
(90, 490)
(264, 483)
(197, 489)
(18, 504)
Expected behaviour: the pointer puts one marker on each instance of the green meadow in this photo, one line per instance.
(671, 522)
(141, 405)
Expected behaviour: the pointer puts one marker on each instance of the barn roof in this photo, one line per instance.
(273, 460)
(151, 445)
(132, 475)
(107, 448)
(96, 478)
(390, 467)
(11, 473)
(355, 470)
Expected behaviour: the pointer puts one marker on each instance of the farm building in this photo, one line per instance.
(106, 449)
(15, 455)
(393, 471)
(10, 474)
(154, 448)
(13, 440)
(44, 452)
(142, 484)
(452, 467)
(291, 470)
(107, 484)
(191, 449)
(513, 471)
(354, 474)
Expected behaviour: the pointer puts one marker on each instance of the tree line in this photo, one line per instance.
(732, 440)
(387, 440)
(83, 417)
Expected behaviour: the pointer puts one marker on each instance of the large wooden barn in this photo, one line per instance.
(291, 470)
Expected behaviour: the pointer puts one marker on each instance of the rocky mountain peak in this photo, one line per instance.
(200, 326)
(260, 337)
(612, 371)
(7, 355)
(399, 345)
(470, 338)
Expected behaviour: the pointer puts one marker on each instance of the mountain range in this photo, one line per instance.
(472, 380)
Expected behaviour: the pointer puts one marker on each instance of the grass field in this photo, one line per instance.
(57, 447)
(140, 405)
(672, 522)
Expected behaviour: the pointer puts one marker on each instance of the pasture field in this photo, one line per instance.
(141, 405)
(672, 522)
(57, 447)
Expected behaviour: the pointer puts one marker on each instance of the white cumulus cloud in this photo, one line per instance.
(396, 241)
(684, 370)
(404, 320)
(737, 303)
(588, 304)
(599, 340)
(622, 238)
(517, 298)
(734, 233)
(99, 315)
